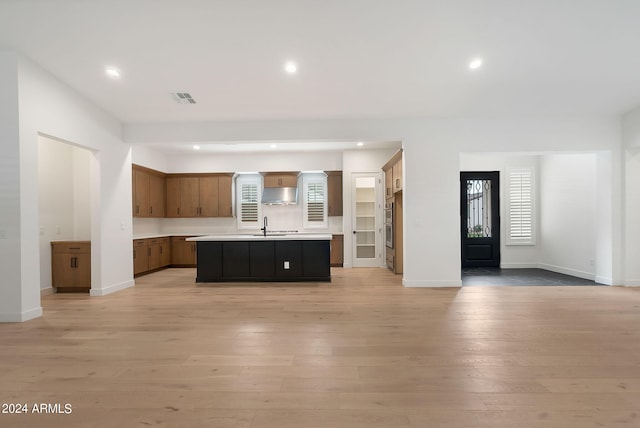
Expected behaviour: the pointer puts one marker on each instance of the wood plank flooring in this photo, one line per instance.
(361, 351)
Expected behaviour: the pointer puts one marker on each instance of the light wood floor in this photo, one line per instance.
(362, 351)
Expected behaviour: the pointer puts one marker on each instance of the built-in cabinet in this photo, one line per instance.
(280, 179)
(394, 201)
(334, 193)
(149, 192)
(190, 195)
(71, 265)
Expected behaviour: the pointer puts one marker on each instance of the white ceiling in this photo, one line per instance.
(356, 58)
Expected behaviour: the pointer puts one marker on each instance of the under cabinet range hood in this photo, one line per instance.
(280, 195)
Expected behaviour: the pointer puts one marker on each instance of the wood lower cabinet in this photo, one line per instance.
(183, 253)
(71, 265)
(151, 254)
(337, 251)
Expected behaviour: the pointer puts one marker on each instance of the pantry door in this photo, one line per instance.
(366, 219)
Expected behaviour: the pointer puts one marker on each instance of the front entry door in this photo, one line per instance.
(480, 218)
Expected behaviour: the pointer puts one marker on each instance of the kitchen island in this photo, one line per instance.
(259, 257)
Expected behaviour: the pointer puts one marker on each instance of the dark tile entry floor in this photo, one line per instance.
(497, 276)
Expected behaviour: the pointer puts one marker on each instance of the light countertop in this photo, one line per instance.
(261, 237)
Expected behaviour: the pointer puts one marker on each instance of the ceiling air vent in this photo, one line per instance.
(183, 97)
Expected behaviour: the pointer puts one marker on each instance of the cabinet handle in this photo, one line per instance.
(178, 211)
(76, 262)
(150, 210)
(149, 251)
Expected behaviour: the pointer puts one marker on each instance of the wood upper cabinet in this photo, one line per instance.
(199, 195)
(334, 193)
(280, 179)
(71, 265)
(148, 192)
(393, 175)
(397, 176)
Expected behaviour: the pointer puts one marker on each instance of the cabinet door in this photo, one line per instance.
(154, 254)
(183, 253)
(337, 250)
(262, 256)
(157, 196)
(272, 180)
(62, 270)
(140, 256)
(208, 187)
(173, 197)
(334, 189)
(82, 270)
(288, 258)
(141, 180)
(224, 196)
(235, 259)
(165, 252)
(289, 180)
(397, 176)
(189, 197)
(388, 183)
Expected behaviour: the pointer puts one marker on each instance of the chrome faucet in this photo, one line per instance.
(264, 223)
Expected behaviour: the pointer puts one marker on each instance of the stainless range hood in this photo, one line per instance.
(280, 195)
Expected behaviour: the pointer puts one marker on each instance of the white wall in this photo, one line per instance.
(568, 212)
(511, 256)
(49, 107)
(14, 304)
(64, 198)
(631, 141)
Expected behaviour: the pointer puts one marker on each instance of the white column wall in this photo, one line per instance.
(49, 107)
(631, 142)
(16, 302)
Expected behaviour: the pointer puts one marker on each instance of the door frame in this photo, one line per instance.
(494, 240)
(377, 261)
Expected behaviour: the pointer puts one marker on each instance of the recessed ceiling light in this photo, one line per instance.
(291, 67)
(475, 63)
(360, 144)
(112, 72)
(196, 147)
(273, 146)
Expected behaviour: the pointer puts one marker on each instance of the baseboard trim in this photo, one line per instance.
(567, 271)
(603, 280)
(22, 316)
(431, 283)
(632, 283)
(112, 288)
(47, 291)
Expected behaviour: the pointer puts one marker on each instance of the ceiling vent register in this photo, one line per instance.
(183, 98)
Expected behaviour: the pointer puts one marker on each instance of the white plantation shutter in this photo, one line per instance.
(248, 191)
(521, 207)
(315, 201)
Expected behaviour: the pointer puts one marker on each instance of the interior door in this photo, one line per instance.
(366, 221)
(480, 218)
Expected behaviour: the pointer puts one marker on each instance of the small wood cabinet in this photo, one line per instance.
(337, 250)
(207, 195)
(393, 175)
(183, 253)
(393, 194)
(334, 193)
(71, 265)
(280, 179)
(149, 192)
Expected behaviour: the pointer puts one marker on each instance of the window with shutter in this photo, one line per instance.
(315, 201)
(521, 207)
(248, 191)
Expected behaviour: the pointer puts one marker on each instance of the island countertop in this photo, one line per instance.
(260, 237)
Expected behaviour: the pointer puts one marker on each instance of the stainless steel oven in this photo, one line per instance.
(388, 224)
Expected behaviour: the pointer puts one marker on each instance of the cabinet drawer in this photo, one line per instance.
(139, 242)
(82, 247)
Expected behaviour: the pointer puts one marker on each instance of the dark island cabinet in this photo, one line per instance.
(269, 260)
